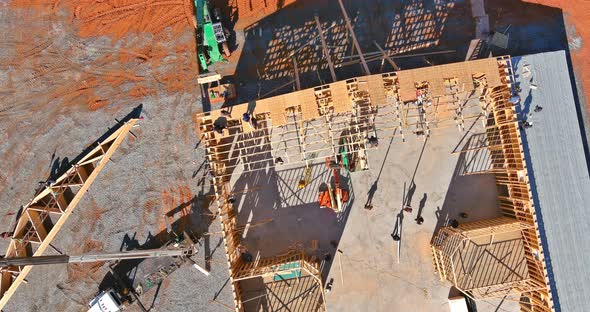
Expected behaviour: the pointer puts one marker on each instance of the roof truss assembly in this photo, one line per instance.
(41, 219)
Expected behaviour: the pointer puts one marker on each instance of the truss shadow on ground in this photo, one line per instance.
(297, 219)
(477, 158)
(275, 43)
(134, 272)
(472, 195)
(298, 294)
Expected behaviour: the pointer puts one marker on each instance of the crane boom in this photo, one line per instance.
(58, 259)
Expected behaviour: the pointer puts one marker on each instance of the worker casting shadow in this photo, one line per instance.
(407, 198)
(126, 269)
(130, 242)
(371, 193)
(419, 219)
(397, 229)
(194, 224)
(373, 189)
(410, 195)
(251, 107)
(59, 168)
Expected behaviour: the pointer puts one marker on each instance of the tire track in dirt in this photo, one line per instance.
(122, 71)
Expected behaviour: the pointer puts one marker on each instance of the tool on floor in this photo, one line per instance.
(339, 252)
(305, 179)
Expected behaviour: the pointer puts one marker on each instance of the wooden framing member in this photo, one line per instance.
(362, 118)
(459, 258)
(363, 113)
(355, 42)
(325, 48)
(296, 71)
(351, 109)
(504, 145)
(386, 56)
(42, 218)
(516, 197)
(289, 262)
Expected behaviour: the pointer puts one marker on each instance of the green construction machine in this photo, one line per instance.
(211, 35)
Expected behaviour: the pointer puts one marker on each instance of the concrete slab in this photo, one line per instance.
(367, 276)
(373, 280)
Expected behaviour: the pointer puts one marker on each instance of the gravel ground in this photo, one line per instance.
(60, 92)
(126, 199)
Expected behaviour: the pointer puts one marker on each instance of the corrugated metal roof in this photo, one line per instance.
(559, 175)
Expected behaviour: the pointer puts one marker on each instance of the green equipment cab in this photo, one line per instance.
(210, 35)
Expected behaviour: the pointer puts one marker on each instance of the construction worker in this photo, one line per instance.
(225, 113)
(525, 125)
(220, 124)
(244, 254)
(373, 141)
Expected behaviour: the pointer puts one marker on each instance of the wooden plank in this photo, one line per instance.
(38, 225)
(84, 171)
(309, 106)
(276, 108)
(354, 41)
(340, 98)
(389, 60)
(45, 208)
(325, 48)
(296, 71)
(5, 281)
(61, 201)
(376, 90)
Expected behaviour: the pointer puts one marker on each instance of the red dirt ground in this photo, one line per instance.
(577, 14)
(117, 65)
(118, 18)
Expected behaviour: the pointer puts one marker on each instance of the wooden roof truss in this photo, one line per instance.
(41, 219)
